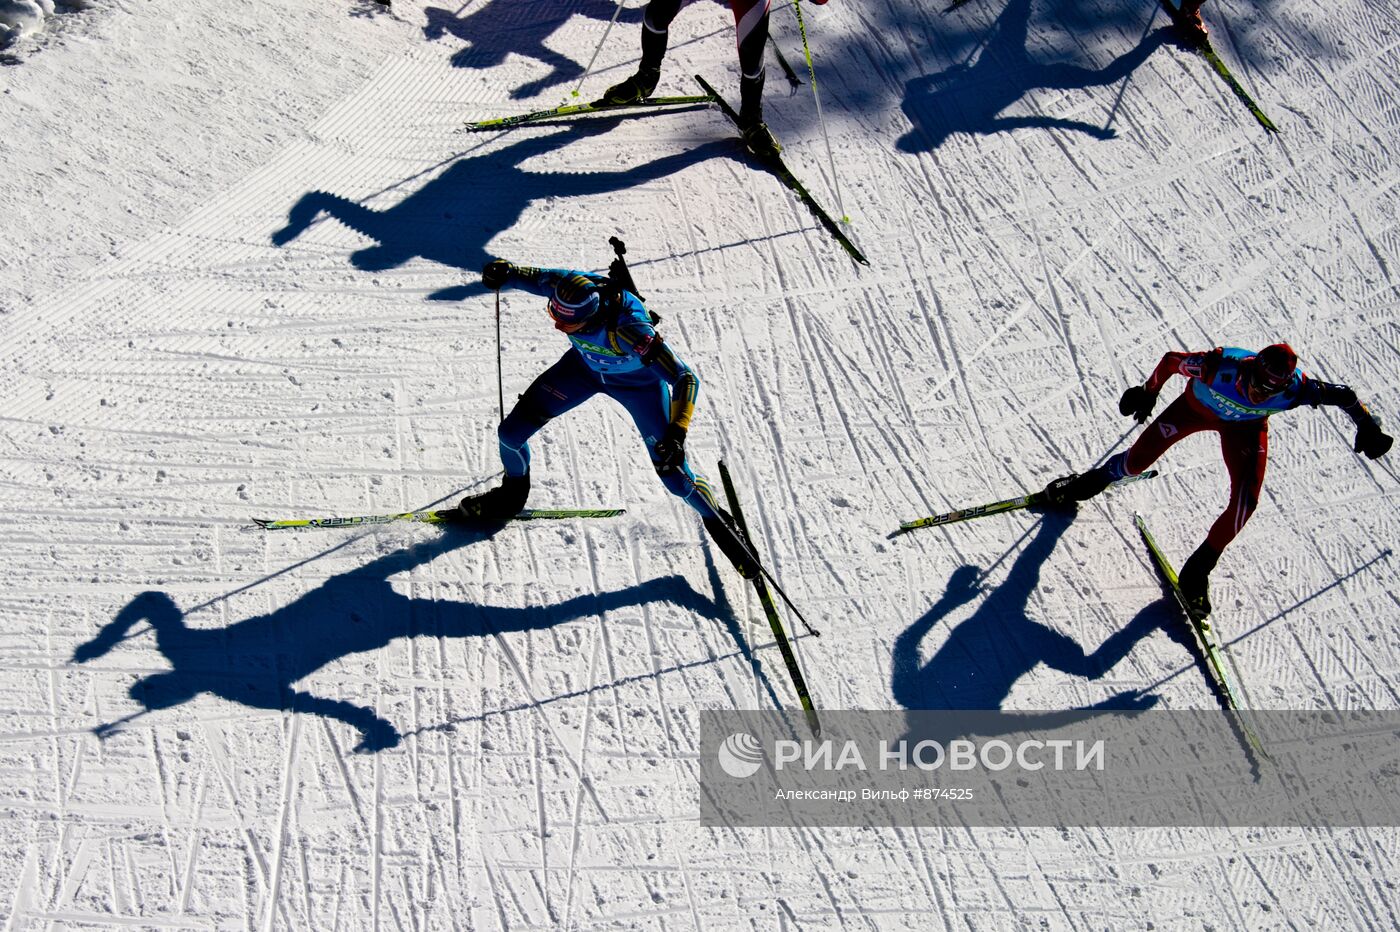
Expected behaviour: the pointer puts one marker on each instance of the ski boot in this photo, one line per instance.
(756, 135)
(1191, 27)
(1194, 580)
(499, 504)
(1071, 489)
(638, 87)
(733, 545)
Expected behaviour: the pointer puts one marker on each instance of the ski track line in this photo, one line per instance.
(518, 671)
(575, 816)
(289, 784)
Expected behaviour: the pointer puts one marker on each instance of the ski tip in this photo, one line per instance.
(262, 522)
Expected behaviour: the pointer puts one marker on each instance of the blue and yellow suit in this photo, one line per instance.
(619, 354)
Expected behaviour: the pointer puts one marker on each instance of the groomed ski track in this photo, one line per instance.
(527, 704)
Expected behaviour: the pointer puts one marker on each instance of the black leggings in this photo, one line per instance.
(750, 24)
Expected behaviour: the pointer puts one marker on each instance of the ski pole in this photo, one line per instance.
(817, 99)
(611, 23)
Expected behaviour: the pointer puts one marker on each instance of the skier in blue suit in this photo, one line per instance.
(615, 351)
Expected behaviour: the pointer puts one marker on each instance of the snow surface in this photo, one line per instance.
(1045, 217)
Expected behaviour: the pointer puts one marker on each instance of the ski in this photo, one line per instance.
(1207, 51)
(785, 175)
(1030, 500)
(439, 516)
(765, 598)
(571, 110)
(1210, 646)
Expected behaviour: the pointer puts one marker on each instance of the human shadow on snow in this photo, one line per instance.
(970, 96)
(981, 659)
(258, 661)
(502, 28)
(451, 218)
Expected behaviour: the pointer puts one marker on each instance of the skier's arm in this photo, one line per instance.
(1370, 439)
(685, 384)
(669, 451)
(1190, 365)
(499, 273)
(1138, 400)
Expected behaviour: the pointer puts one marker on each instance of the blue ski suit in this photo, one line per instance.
(619, 354)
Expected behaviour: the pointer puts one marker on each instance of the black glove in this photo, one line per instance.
(496, 273)
(669, 452)
(1372, 441)
(1137, 403)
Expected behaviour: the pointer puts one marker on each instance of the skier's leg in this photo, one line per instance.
(1246, 452)
(1245, 448)
(1180, 419)
(751, 35)
(1189, 22)
(656, 21)
(650, 407)
(560, 388)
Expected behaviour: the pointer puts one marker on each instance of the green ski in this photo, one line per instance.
(1207, 51)
(1221, 667)
(785, 175)
(439, 516)
(1030, 500)
(571, 110)
(765, 598)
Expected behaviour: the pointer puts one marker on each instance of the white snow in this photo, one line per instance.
(1038, 236)
(23, 18)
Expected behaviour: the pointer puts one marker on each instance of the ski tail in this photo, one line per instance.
(1207, 51)
(784, 174)
(765, 598)
(1220, 666)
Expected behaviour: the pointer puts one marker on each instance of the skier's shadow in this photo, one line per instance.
(501, 28)
(524, 27)
(980, 661)
(452, 217)
(968, 98)
(258, 661)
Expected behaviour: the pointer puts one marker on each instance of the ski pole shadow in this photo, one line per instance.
(496, 30)
(978, 664)
(970, 96)
(256, 662)
(452, 217)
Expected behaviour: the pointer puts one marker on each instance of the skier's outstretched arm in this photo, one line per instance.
(1370, 439)
(1137, 402)
(499, 273)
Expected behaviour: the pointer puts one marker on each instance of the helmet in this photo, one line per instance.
(1273, 369)
(574, 301)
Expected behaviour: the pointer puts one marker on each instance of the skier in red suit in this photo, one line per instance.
(751, 28)
(1232, 392)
